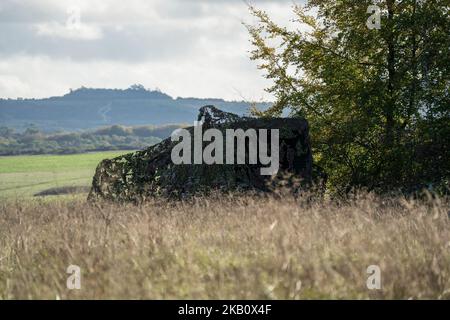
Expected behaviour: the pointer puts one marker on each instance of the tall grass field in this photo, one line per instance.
(219, 247)
(226, 248)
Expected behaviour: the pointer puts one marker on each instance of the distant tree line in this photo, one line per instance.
(34, 141)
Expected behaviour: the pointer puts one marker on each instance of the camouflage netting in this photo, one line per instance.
(151, 172)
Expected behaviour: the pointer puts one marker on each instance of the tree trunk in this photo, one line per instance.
(412, 98)
(390, 102)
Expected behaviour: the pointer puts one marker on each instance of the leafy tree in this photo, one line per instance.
(114, 130)
(6, 132)
(377, 100)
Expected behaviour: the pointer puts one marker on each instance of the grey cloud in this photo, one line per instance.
(160, 40)
(131, 44)
(192, 47)
(26, 12)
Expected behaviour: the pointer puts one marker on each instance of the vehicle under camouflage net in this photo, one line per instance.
(152, 173)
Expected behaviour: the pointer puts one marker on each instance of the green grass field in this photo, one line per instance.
(24, 176)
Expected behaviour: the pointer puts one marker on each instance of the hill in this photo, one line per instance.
(87, 108)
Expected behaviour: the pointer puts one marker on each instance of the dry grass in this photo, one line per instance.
(245, 248)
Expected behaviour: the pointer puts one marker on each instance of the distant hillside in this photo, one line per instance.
(87, 108)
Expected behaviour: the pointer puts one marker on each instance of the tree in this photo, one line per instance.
(6, 132)
(376, 100)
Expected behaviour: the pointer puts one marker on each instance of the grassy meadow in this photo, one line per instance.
(226, 248)
(24, 176)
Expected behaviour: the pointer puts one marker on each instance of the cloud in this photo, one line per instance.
(187, 47)
(81, 31)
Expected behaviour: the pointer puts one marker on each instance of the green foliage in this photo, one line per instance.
(376, 100)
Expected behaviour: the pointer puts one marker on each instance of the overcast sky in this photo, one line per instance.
(183, 47)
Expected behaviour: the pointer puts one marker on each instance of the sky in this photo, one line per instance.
(186, 48)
